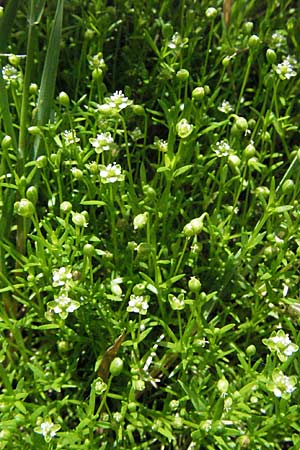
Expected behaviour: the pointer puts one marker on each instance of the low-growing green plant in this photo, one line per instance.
(149, 230)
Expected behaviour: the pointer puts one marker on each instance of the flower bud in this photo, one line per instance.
(33, 88)
(140, 221)
(184, 129)
(288, 186)
(198, 93)
(271, 56)
(241, 123)
(89, 34)
(253, 42)
(79, 219)
(35, 131)
(14, 60)
(194, 285)
(194, 227)
(138, 110)
(41, 162)
(182, 74)
(223, 385)
(88, 250)
(97, 74)
(64, 99)
(24, 208)
(6, 142)
(251, 350)
(248, 27)
(234, 162)
(116, 366)
(211, 13)
(32, 194)
(77, 173)
(249, 151)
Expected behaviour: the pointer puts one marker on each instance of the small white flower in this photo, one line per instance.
(10, 73)
(221, 148)
(177, 41)
(176, 303)
(69, 137)
(97, 61)
(118, 101)
(281, 344)
(63, 305)
(225, 107)
(285, 70)
(111, 173)
(138, 304)
(47, 429)
(102, 142)
(161, 145)
(61, 276)
(282, 385)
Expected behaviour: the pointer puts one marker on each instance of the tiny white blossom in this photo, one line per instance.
(281, 344)
(63, 305)
(47, 429)
(221, 148)
(118, 101)
(184, 129)
(285, 70)
(102, 142)
(111, 173)
(61, 276)
(161, 145)
(10, 73)
(225, 107)
(97, 61)
(177, 41)
(282, 385)
(138, 304)
(69, 137)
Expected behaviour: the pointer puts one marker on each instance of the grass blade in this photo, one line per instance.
(49, 73)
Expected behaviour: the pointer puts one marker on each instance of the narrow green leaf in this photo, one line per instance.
(49, 73)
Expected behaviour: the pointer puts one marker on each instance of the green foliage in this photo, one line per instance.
(149, 229)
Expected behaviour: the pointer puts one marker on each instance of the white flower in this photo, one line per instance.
(10, 73)
(111, 173)
(281, 344)
(161, 145)
(221, 148)
(177, 41)
(184, 129)
(63, 305)
(225, 107)
(69, 137)
(285, 70)
(118, 101)
(138, 304)
(102, 142)
(47, 428)
(176, 303)
(282, 385)
(97, 61)
(61, 276)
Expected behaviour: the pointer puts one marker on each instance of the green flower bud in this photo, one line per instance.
(234, 162)
(41, 162)
(206, 89)
(89, 34)
(88, 250)
(211, 13)
(139, 289)
(138, 110)
(116, 366)
(271, 56)
(244, 441)
(198, 93)
(63, 346)
(288, 186)
(140, 221)
(194, 285)
(77, 173)
(24, 208)
(251, 350)
(35, 131)
(184, 129)
(6, 142)
(223, 385)
(167, 30)
(33, 88)
(241, 123)
(253, 42)
(97, 74)
(182, 74)
(249, 151)
(226, 61)
(79, 219)
(64, 99)
(194, 227)
(14, 60)
(32, 194)
(248, 27)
